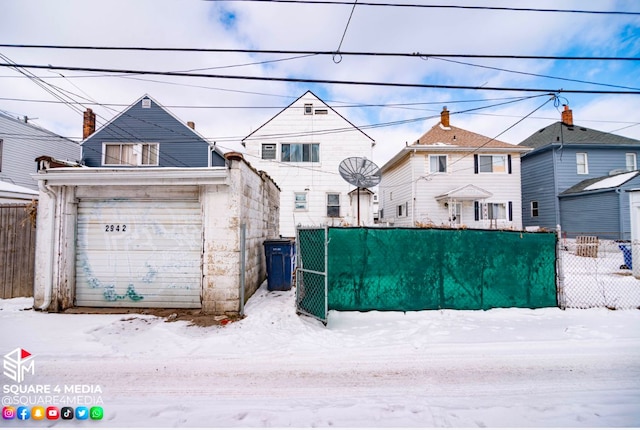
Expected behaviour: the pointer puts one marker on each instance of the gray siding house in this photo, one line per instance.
(566, 159)
(146, 135)
(20, 144)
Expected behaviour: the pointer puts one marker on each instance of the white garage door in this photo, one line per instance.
(139, 253)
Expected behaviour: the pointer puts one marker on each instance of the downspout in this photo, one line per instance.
(414, 185)
(44, 188)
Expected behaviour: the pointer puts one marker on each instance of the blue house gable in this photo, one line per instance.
(565, 155)
(146, 135)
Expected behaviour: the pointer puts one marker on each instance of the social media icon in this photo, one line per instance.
(53, 413)
(66, 413)
(82, 413)
(96, 413)
(37, 413)
(8, 412)
(23, 413)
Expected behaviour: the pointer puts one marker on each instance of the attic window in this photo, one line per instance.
(321, 111)
(146, 103)
(308, 109)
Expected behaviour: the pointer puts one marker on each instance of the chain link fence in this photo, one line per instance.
(311, 272)
(594, 272)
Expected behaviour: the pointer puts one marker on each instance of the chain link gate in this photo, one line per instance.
(311, 272)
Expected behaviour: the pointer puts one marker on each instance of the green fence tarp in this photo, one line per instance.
(418, 269)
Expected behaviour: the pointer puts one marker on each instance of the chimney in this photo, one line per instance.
(88, 124)
(192, 125)
(567, 116)
(444, 117)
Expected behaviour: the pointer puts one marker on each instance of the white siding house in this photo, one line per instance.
(452, 177)
(301, 148)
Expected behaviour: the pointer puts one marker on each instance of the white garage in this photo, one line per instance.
(139, 253)
(154, 237)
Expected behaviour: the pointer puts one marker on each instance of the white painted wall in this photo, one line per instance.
(229, 197)
(410, 182)
(338, 139)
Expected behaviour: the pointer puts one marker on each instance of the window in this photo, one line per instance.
(0, 155)
(493, 211)
(308, 109)
(268, 151)
(534, 209)
(438, 163)
(300, 152)
(631, 161)
(130, 154)
(300, 203)
(333, 205)
(403, 210)
(582, 163)
(492, 163)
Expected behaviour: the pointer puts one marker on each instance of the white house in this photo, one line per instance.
(301, 148)
(453, 178)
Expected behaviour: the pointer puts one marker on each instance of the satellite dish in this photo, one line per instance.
(361, 173)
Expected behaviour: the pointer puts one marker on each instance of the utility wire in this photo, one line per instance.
(433, 6)
(337, 55)
(315, 81)
(331, 53)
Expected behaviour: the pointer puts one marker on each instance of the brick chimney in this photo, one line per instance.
(88, 124)
(444, 117)
(192, 125)
(567, 116)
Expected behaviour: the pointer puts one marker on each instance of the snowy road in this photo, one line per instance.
(504, 367)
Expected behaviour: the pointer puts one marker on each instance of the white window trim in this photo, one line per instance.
(485, 211)
(137, 150)
(446, 163)
(537, 208)
(586, 163)
(492, 172)
(633, 156)
(306, 201)
(339, 205)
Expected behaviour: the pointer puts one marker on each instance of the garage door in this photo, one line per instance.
(139, 253)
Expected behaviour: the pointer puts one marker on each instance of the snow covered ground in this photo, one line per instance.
(497, 368)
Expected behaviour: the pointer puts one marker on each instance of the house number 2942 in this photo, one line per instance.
(112, 228)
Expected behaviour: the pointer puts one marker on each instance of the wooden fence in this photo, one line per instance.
(17, 250)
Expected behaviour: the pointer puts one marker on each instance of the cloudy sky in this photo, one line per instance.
(225, 110)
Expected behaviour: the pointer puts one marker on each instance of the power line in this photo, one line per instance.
(331, 53)
(317, 81)
(431, 6)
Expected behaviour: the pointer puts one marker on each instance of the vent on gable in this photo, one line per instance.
(321, 111)
(146, 103)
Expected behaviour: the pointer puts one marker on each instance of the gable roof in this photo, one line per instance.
(561, 133)
(453, 139)
(373, 142)
(122, 123)
(458, 137)
(601, 183)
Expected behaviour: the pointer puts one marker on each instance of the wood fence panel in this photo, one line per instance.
(17, 251)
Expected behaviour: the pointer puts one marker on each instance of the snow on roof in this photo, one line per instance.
(612, 181)
(12, 188)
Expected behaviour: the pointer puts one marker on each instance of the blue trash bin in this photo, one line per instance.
(280, 256)
(626, 252)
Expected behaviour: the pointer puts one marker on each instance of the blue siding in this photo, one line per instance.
(594, 214)
(601, 161)
(605, 214)
(538, 185)
(179, 146)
